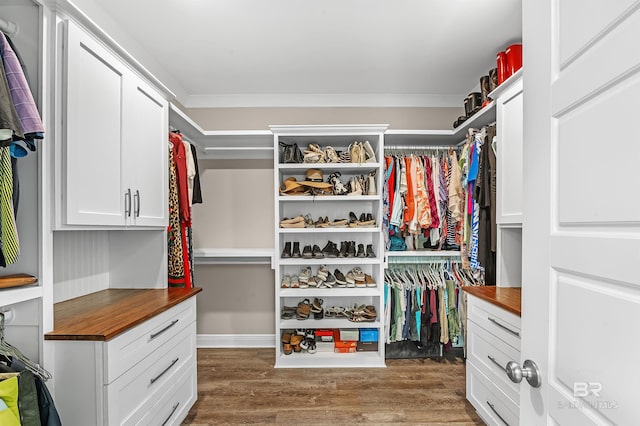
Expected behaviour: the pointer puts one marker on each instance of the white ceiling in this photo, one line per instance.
(225, 53)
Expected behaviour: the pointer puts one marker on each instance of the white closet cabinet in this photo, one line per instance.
(114, 150)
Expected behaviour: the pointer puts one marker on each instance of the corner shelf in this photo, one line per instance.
(232, 256)
(223, 144)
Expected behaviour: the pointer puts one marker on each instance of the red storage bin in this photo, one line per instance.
(514, 58)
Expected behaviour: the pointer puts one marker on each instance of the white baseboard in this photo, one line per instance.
(236, 341)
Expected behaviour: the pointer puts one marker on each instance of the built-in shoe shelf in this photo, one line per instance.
(333, 207)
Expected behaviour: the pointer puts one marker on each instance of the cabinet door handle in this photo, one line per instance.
(493, 408)
(493, 320)
(497, 363)
(136, 199)
(175, 407)
(127, 203)
(155, 379)
(154, 335)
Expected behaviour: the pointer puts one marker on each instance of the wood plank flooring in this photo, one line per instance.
(240, 386)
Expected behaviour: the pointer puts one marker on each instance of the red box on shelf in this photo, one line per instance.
(345, 350)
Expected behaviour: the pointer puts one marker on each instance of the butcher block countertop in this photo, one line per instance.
(508, 298)
(103, 315)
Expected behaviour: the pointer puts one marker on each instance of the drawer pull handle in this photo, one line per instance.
(154, 335)
(515, 333)
(152, 381)
(497, 363)
(493, 408)
(175, 407)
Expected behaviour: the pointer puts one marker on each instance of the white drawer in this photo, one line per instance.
(174, 405)
(126, 350)
(128, 396)
(497, 321)
(491, 355)
(491, 403)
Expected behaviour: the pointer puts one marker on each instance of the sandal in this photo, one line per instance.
(332, 155)
(286, 337)
(287, 348)
(303, 310)
(317, 305)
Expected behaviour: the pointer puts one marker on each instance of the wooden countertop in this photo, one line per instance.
(508, 298)
(103, 315)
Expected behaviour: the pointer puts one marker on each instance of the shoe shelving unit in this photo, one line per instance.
(334, 207)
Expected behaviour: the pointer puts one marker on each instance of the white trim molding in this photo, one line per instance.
(321, 100)
(236, 341)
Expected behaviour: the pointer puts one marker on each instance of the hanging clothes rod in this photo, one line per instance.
(8, 27)
(419, 147)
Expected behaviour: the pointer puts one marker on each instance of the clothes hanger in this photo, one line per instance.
(11, 351)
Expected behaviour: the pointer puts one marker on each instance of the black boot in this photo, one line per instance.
(361, 252)
(370, 252)
(351, 249)
(343, 248)
(316, 252)
(286, 253)
(328, 248)
(296, 249)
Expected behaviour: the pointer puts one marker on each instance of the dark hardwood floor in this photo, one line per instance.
(240, 386)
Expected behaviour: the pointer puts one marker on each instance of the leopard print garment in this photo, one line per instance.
(174, 233)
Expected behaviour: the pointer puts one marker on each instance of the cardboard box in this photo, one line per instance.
(368, 335)
(326, 338)
(324, 332)
(367, 347)
(348, 334)
(343, 344)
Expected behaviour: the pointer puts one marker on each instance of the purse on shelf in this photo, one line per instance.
(290, 153)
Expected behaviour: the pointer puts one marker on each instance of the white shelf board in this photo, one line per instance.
(326, 323)
(328, 230)
(417, 139)
(331, 166)
(339, 130)
(10, 296)
(330, 261)
(223, 144)
(505, 84)
(329, 292)
(301, 198)
(331, 360)
(233, 255)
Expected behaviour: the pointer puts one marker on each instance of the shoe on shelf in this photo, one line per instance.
(286, 282)
(334, 252)
(331, 155)
(353, 219)
(307, 252)
(360, 252)
(328, 248)
(323, 273)
(370, 252)
(296, 222)
(312, 347)
(355, 188)
(308, 221)
(296, 250)
(350, 279)
(304, 275)
(371, 183)
(322, 223)
(316, 306)
(330, 281)
(368, 279)
(294, 282)
(369, 152)
(351, 249)
(340, 278)
(286, 252)
(316, 252)
(344, 245)
(338, 186)
(339, 223)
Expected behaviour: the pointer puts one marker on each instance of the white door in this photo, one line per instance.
(581, 229)
(145, 154)
(93, 81)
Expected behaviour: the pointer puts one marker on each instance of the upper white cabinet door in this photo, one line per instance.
(93, 83)
(145, 154)
(509, 172)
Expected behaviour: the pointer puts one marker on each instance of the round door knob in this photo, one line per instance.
(529, 371)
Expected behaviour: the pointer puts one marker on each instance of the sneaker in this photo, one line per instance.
(331, 280)
(351, 280)
(286, 282)
(294, 282)
(340, 279)
(368, 279)
(317, 253)
(304, 275)
(307, 252)
(323, 273)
